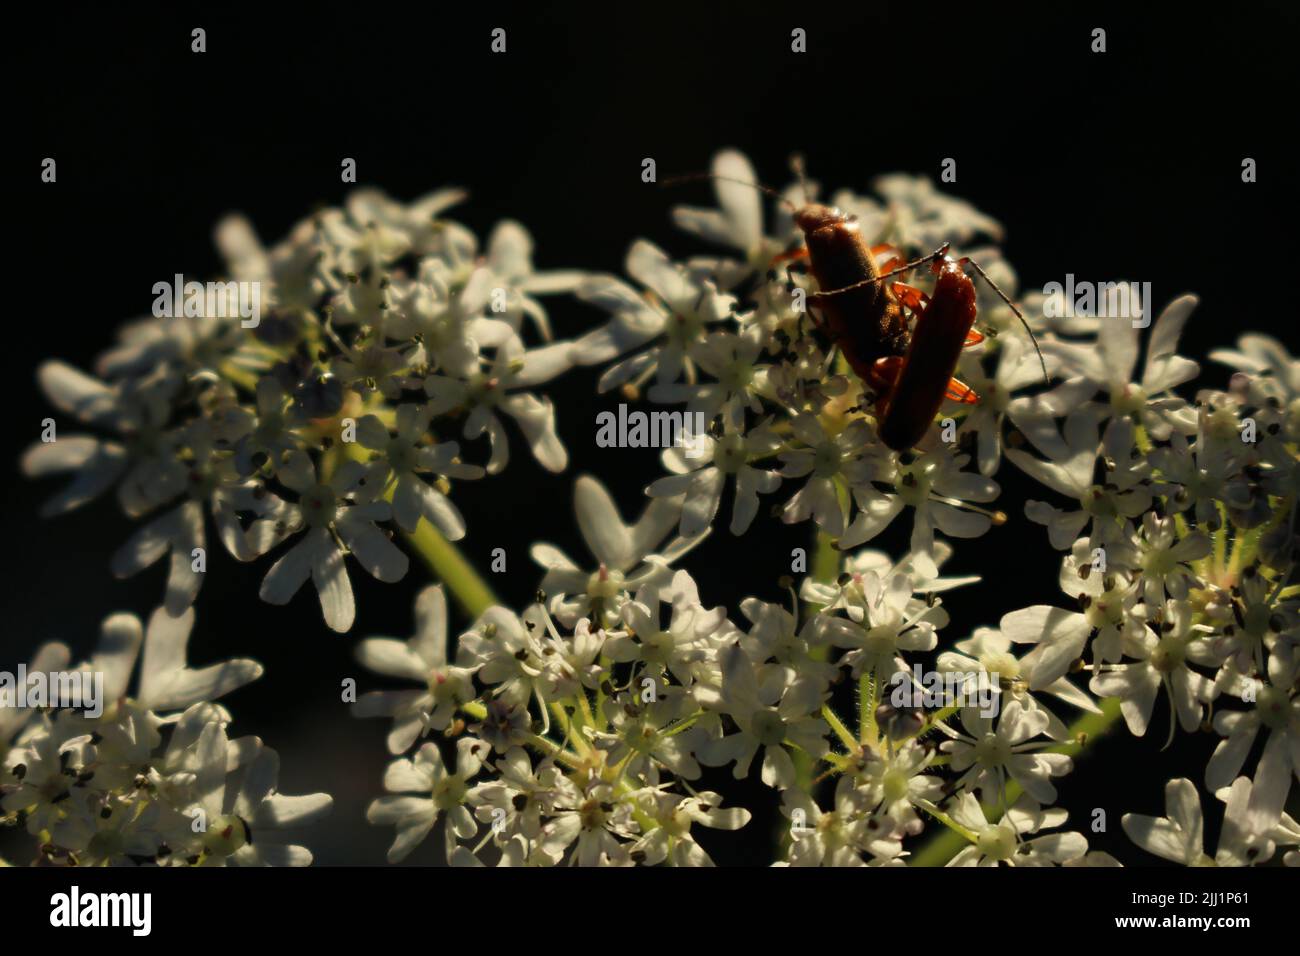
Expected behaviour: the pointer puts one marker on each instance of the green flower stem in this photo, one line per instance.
(867, 708)
(825, 569)
(449, 565)
(826, 560)
(587, 716)
(1085, 730)
(837, 725)
(958, 832)
(1221, 537)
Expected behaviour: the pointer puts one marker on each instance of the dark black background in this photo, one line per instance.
(1123, 164)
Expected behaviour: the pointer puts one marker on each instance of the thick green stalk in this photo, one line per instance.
(450, 567)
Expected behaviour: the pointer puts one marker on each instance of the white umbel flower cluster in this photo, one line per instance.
(590, 715)
(582, 730)
(387, 334)
(155, 779)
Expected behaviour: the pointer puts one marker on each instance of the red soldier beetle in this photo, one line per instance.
(910, 370)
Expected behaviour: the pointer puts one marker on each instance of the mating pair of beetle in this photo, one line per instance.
(910, 370)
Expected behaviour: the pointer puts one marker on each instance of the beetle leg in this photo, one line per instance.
(973, 338)
(959, 391)
(910, 296)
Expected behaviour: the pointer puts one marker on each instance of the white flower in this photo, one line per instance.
(180, 531)
(893, 779)
(1017, 368)
(166, 683)
(1161, 661)
(45, 770)
(443, 311)
(516, 801)
(1061, 637)
(841, 836)
(626, 555)
(685, 647)
(680, 311)
(986, 757)
(1177, 836)
(848, 592)
(1000, 843)
(1276, 710)
(938, 492)
(738, 222)
(262, 441)
(118, 831)
(1108, 600)
(418, 224)
(1165, 556)
(423, 658)
(602, 825)
(645, 735)
(733, 362)
(1274, 373)
(1108, 366)
(236, 823)
(925, 217)
(671, 841)
(1203, 473)
(335, 506)
(510, 257)
(760, 723)
(895, 622)
(508, 656)
(481, 393)
(783, 654)
(702, 479)
(402, 462)
(829, 463)
(1110, 504)
(51, 656)
(426, 789)
(140, 463)
(989, 650)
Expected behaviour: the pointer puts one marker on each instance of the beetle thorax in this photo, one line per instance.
(815, 216)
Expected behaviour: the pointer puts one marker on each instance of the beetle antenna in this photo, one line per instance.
(698, 177)
(1023, 321)
(906, 267)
